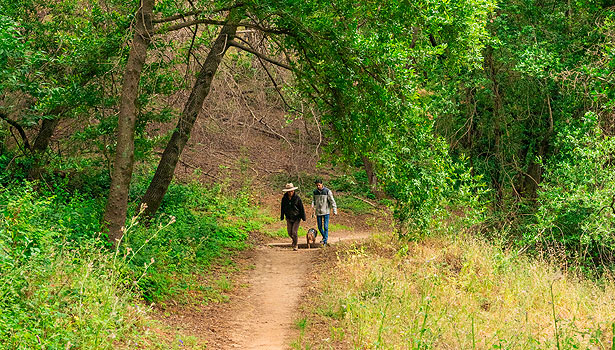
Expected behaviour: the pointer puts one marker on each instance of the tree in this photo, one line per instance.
(54, 67)
(117, 200)
(364, 65)
(166, 167)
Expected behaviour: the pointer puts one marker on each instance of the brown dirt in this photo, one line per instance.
(272, 283)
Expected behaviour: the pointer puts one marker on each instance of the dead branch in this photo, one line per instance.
(259, 55)
(19, 129)
(612, 206)
(194, 13)
(364, 200)
(188, 24)
(176, 17)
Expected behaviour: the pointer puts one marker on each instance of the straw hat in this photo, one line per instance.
(289, 187)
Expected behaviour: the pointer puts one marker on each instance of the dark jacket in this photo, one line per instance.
(292, 208)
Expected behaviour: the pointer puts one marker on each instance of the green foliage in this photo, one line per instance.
(59, 282)
(58, 286)
(355, 183)
(576, 198)
(363, 64)
(63, 296)
(208, 224)
(56, 55)
(353, 204)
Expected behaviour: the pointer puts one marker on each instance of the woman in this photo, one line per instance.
(292, 208)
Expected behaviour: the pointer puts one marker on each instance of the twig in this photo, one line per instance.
(259, 55)
(612, 206)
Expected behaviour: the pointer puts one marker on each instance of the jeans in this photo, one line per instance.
(323, 226)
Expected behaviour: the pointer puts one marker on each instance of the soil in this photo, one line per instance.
(271, 283)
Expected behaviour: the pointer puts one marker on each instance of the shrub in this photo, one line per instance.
(575, 214)
(55, 292)
(60, 283)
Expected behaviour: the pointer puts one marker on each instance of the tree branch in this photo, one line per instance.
(259, 55)
(188, 24)
(195, 13)
(220, 23)
(432, 40)
(19, 128)
(176, 17)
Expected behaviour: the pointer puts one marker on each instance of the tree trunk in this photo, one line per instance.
(41, 142)
(117, 201)
(372, 178)
(533, 176)
(166, 167)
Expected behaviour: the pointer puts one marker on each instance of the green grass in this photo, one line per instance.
(276, 232)
(353, 204)
(339, 227)
(301, 324)
(61, 286)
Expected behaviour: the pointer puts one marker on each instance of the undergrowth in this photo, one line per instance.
(63, 286)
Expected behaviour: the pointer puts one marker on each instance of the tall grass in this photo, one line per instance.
(56, 292)
(458, 293)
(61, 286)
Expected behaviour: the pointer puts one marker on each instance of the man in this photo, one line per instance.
(322, 203)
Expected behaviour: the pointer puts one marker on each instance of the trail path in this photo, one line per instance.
(264, 317)
(263, 306)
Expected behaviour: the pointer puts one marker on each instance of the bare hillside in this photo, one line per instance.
(247, 130)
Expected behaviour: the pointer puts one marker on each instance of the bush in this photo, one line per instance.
(208, 224)
(575, 214)
(55, 291)
(60, 283)
(353, 204)
(356, 183)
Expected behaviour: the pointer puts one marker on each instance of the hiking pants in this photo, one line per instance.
(323, 226)
(292, 227)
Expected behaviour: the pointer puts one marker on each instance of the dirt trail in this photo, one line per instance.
(264, 317)
(275, 285)
(263, 307)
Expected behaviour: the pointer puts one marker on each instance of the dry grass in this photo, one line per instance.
(457, 293)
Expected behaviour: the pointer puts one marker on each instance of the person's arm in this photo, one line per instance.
(332, 202)
(282, 210)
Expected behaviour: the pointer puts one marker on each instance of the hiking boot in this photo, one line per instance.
(295, 247)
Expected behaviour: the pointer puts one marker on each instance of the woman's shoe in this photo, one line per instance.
(294, 247)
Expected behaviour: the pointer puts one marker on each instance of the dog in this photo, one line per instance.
(310, 236)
